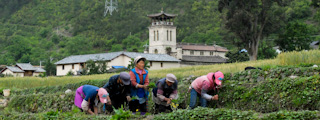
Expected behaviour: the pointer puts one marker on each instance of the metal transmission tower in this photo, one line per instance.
(110, 6)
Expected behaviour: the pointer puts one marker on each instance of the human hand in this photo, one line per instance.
(108, 100)
(169, 100)
(145, 87)
(128, 98)
(215, 97)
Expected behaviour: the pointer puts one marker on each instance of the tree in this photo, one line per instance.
(252, 20)
(50, 67)
(297, 36)
(237, 56)
(95, 67)
(266, 51)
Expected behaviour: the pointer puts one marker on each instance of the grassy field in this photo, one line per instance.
(290, 58)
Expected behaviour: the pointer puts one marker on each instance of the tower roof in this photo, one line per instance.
(162, 15)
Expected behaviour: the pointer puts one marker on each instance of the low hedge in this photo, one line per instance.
(257, 75)
(181, 114)
(232, 114)
(271, 95)
(42, 102)
(268, 95)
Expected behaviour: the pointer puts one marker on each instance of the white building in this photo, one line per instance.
(22, 70)
(77, 63)
(162, 40)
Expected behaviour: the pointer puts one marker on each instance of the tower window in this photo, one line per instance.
(154, 36)
(156, 51)
(157, 35)
(167, 35)
(62, 67)
(161, 64)
(170, 35)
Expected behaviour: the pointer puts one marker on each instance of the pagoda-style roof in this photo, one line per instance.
(162, 15)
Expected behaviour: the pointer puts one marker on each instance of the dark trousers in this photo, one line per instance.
(117, 102)
(162, 108)
(134, 105)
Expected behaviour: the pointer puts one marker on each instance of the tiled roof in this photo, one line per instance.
(206, 59)
(162, 13)
(39, 70)
(203, 47)
(13, 69)
(315, 43)
(110, 56)
(25, 66)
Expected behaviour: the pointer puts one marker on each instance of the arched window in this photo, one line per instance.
(168, 50)
(156, 51)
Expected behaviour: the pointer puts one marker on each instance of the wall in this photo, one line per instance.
(68, 68)
(9, 72)
(163, 41)
(121, 60)
(165, 65)
(205, 53)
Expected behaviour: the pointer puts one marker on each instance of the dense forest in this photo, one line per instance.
(49, 30)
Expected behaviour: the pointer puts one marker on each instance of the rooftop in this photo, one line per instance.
(112, 55)
(13, 69)
(25, 66)
(204, 47)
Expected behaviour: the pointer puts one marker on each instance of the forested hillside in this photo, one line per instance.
(37, 30)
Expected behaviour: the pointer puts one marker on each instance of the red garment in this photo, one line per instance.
(134, 80)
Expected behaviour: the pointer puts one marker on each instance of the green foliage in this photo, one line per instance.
(152, 85)
(250, 20)
(50, 68)
(237, 56)
(70, 73)
(265, 51)
(120, 114)
(230, 114)
(297, 36)
(95, 67)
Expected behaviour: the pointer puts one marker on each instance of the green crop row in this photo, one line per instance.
(231, 114)
(265, 96)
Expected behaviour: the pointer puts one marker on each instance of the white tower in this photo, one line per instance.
(162, 34)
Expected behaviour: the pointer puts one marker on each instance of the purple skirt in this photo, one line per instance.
(79, 97)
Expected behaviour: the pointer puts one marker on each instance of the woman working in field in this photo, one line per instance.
(139, 81)
(87, 98)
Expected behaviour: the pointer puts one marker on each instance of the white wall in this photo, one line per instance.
(165, 65)
(9, 72)
(121, 60)
(205, 53)
(67, 68)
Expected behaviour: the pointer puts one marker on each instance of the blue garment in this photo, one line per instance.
(193, 99)
(140, 92)
(91, 92)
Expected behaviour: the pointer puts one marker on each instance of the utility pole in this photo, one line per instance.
(40, 63)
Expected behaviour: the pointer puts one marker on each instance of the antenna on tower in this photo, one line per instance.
(146, 46)
(110, 6)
